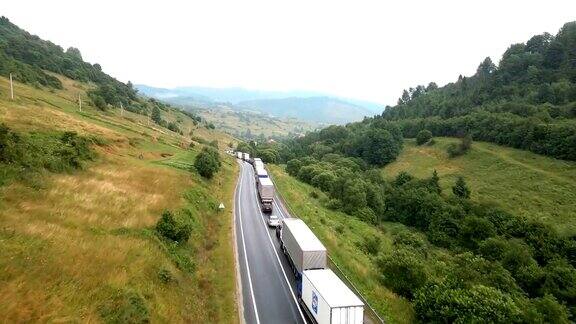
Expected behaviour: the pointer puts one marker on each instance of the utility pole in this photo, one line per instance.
(11, 88)
(80, 103)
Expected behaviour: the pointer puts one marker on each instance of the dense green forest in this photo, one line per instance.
(527, 101)
(503, 267)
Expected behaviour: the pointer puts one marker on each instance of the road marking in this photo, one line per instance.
(279, 262)
(244, 248)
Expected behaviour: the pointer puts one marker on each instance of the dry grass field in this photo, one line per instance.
(81, 246)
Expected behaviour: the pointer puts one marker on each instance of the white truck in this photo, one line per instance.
(239, 155)
(246, 157)
(328, 300)
(265, 193)
(261, 173)
(258, 163)
(303, 249)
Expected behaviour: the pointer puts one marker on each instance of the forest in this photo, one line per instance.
(527, 101)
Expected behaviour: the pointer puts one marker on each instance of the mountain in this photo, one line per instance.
(305, 105)
(324, 110)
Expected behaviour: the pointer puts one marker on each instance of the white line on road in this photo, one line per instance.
(278, 258)
(244, 248)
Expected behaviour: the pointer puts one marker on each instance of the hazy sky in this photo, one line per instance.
(363, 49)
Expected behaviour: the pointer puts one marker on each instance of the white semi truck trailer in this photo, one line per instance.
(326, 299)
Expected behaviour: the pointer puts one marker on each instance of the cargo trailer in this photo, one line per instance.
(246, 157)
(265, 193)
(303, 249)
(239, 155)
(327, 300)
(261, 173)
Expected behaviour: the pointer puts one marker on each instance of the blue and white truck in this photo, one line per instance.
(326, 299)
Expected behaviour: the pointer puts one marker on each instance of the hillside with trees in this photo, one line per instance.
(526, 101)
(502, 266)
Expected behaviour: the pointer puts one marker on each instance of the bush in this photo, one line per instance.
(125, 307)
(168, 227)
(165, 276)
(403, 271)
(478, 304)
(455, 150)
(313, 194)
(372, 244)
(207, 162)
(460, 189)
(423, 137)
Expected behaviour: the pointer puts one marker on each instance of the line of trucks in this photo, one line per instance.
(324, 296)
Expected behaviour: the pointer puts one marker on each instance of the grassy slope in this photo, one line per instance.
(82, 239)
(521, 182)
(345, 248)
(235, 122)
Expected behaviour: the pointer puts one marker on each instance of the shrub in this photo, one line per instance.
(423, 137)
(478, 304)
(168, 227)
(165, 276)
(313, 194)
(403, 271)
(125, 307)
(460, 189)
(409, 238)
(372, 244)
(207, 162)
(462, 148)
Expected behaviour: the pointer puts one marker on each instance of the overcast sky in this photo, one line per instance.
(363, 49)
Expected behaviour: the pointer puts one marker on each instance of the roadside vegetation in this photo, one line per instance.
(103, 217)
(517, 266)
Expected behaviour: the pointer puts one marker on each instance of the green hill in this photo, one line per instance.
(521, 182)
(81, 193)
(527, 101)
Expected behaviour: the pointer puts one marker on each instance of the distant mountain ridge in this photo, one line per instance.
(317, 109)
(304, 105)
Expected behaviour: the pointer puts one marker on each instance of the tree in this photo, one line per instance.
(379, 147)
(423, 137)
(207, 162)
(156, 115)
(460, 189)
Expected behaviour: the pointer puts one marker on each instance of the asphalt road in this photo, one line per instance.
(268, 287)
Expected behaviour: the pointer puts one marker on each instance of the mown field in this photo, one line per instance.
(81, 247)
(521, 182)
(344, 237)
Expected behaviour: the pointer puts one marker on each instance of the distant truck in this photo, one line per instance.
(246, 157)
(303, 249)
(239, 155)
(328, 300)
(265, 193)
